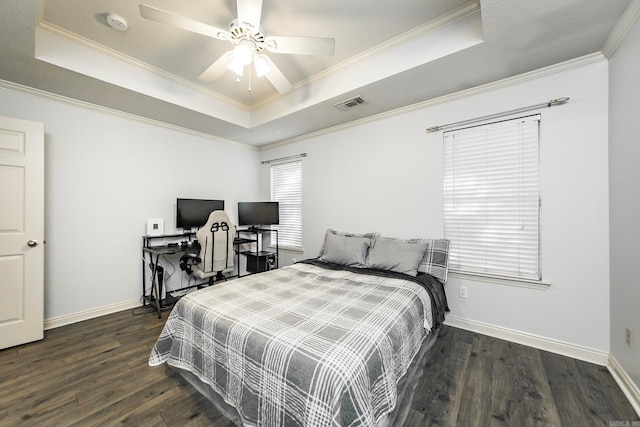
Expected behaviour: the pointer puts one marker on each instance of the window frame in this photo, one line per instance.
(290, 208)
(487, 274)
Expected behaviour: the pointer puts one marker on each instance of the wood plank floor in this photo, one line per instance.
(95, 373)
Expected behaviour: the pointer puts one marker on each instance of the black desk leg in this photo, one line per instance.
(156, 286)
(144, 277)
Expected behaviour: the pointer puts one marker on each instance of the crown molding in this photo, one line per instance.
(4, 84)
(622, 28)
(510, 81)
(532, 75)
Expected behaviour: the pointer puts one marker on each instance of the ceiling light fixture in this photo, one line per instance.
(237, 68)
(242, 55)
(262, 67)
(244, 52)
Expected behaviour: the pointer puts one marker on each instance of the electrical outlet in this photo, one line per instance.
(463, 292)
(629, 336)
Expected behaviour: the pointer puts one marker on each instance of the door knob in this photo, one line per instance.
(32, 243)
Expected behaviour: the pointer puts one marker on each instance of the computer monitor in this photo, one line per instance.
(255, 214)
(192, 213)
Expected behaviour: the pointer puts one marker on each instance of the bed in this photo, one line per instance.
(336, 340)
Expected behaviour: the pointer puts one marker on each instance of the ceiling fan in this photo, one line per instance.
(249, 41)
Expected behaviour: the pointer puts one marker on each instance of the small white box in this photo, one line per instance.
(155, 227)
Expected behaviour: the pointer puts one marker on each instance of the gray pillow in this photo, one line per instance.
(396, 255)
(345, 250)
(342, 233)
(436, 258)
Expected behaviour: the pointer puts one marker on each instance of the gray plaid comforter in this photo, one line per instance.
(300, 345)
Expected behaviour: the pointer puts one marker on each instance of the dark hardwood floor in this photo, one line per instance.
(95, 373)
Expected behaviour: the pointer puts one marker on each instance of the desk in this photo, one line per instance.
(257, 261)
(148, 247)
(155, 252)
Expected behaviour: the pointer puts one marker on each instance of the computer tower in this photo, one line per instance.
(261, 262)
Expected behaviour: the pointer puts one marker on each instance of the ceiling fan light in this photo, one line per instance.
(236, 67)
(243, 53)
(262, 67)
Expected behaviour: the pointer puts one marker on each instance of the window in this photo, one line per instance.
(286, 189)
(492, 198)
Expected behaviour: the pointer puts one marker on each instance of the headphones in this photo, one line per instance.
(187, 261)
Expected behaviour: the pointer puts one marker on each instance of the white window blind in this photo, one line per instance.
(286, 189)
(492, 198)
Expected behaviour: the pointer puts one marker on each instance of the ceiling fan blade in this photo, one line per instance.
(275, 76)
(165, 17)
(321, 46)
(218, 68)
(250, 11)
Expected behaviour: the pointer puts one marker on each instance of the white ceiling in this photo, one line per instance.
(393, 54)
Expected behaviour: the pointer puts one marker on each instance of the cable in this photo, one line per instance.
(167, 274)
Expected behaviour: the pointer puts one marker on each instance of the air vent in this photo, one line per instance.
(349, 103)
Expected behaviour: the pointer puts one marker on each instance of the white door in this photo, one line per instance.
(21, 231)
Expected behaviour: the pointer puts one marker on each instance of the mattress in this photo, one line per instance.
(309, 344)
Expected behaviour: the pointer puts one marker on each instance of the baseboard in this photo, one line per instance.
(67, 319)
(628, 387)
(559, 347)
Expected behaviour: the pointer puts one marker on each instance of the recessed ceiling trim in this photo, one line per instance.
(95, 63)
(434, 25)
(442, 21)
(59, 47)
(455, 37)
(89, 44)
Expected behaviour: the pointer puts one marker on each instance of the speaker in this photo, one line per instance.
(155, 227)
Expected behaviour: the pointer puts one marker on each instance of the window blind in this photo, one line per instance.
(492, 198)
(286, 189)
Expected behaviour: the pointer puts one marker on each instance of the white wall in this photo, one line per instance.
(105, 176)
(624, 175)
(386, 176)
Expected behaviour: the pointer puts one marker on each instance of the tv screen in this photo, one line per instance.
(258, 213)
(195, 212)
